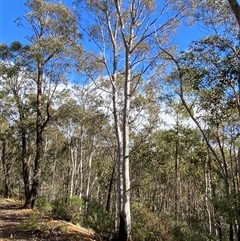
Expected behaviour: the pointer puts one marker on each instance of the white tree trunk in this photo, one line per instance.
(207, 188)
(73, 172)
(127, 32)
(119, 136)
(80, 168)
(126, 174)
(89, 174)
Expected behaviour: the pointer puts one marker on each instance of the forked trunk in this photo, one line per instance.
(30, 201)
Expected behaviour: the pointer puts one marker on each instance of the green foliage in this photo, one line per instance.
(44, 206)
(172, 169)
(147, 226)
(98, 219)
(228, 207)
(192, 230)
(17, 192)
(178, 233)
(69, 210)
(30, 224)
(2, 190)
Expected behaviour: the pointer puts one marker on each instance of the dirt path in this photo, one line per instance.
(13, 218)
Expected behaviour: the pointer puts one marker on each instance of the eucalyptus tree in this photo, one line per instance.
(235, 7)
(92, 133)
(17, 90)
(154, 187)
(208, 89)
(83, 120)
(206, 83)
(221, 18)
(9, 147)
(124, 33)
(53, 32)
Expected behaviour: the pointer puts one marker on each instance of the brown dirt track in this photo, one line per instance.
(12, 216)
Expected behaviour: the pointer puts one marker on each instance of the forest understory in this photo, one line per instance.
(28, 225)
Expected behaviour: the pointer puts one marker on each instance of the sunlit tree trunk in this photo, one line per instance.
(73, 159)
(125, 33)
(80, 167)
(89, 172)
(208, 192)
(126, 135)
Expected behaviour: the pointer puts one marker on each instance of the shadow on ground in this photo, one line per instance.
(12, 216)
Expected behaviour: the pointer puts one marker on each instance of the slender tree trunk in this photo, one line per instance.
(231, 235)
(218, 226)
(177, 176)
(30, 201)
(219, 229)
(126, 212)
(25, 166)
(120, 178)
(5, 170)
(53, 176)
(87, 194)
(120, 161)
(110, 187)
(238, 232)
(73, 170)
(207, 188)
(234, 4)
(189, 205)
(80, 168)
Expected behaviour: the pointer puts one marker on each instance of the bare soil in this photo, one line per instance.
(13, 217)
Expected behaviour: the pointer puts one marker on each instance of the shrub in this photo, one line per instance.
(98, 219)
(191, 230)
(148, 226)
(69, 210)
(30, 224)
(44, 206)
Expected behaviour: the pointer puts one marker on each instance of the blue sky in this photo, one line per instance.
(10, 10)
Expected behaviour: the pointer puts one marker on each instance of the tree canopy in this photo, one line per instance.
(105, 123)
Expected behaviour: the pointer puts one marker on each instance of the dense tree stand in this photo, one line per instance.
(106, 122)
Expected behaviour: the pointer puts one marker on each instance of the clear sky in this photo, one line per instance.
(10, 10)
